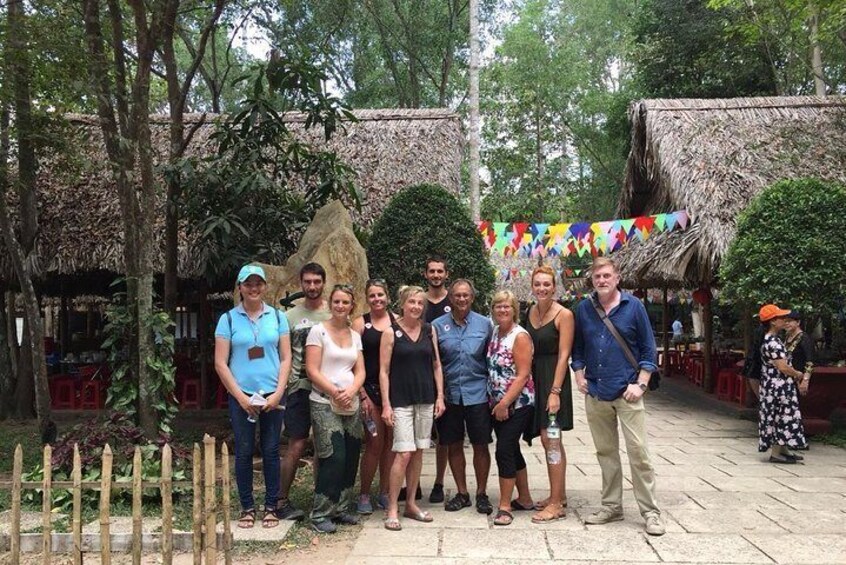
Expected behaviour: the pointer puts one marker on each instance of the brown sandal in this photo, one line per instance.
(247, 519)
(551, 513)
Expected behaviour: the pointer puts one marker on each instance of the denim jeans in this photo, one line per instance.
(270, 431)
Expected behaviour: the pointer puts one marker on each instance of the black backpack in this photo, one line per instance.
(752, 364)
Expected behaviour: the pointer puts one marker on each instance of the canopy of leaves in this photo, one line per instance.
(789, 248)
(783, 28)
(420, 221)
(683, 49)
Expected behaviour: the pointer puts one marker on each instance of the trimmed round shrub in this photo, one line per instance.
(789, 248)
(420, 221)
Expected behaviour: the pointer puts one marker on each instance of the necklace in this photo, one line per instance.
(542, 314)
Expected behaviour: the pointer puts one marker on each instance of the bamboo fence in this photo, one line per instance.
(205, 485)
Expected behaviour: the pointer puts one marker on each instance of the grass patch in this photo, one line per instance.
(836, 438)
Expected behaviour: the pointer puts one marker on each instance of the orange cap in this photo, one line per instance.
(770, 311)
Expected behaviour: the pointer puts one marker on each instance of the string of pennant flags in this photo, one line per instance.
(532, 240)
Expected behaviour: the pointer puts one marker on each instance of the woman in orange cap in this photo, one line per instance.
(780, 421)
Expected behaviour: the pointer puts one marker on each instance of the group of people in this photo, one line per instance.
(392, 381)
(784, 374)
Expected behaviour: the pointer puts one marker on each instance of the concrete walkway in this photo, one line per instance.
(722, 503)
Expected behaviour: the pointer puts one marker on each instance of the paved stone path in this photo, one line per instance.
(722, 503)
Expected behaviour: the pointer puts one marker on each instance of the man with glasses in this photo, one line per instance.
(301, 318)
(463, 337)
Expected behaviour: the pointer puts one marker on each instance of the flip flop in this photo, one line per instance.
(515, 505)
(549, 514)
(503, 518)
(393, 524)
(419, 516)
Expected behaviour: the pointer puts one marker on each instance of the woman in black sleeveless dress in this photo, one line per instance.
(412, 397)
(377, 449)
(551, 328)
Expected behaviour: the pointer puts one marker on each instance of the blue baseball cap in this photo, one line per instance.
(248, 270)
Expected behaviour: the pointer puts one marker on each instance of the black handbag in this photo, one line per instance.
(655, 377)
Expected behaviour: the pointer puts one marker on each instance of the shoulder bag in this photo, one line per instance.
(655, 377)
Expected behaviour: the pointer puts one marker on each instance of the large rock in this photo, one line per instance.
(330, 241)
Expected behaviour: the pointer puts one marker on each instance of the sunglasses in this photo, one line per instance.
(343, 286)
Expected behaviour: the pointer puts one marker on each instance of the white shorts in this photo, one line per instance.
(413, 427)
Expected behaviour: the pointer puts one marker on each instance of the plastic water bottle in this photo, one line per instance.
(370, 424)
(257, 399)
(553, 435)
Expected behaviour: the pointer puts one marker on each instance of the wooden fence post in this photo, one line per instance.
(105, 503)
(47, 506)
(136, 507)
(198, 508)
(210, 506)
(15, 530)
(224, 485)
(76, 520)
(167, 505)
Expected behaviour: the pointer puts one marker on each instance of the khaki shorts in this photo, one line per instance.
(413, 427)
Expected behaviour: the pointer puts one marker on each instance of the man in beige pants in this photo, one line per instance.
(614, 391)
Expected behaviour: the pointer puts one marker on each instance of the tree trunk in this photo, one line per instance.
(474, 111)
(816, 50)
(11, 332)
(24, 399)
(708, 325)
(23, 252)
(7, 376)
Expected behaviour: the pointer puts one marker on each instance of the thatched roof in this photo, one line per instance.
(711, 157)
(81, 230)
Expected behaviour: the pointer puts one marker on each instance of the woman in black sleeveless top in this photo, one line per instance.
(377, 449)
(412, 396)
(551, 327)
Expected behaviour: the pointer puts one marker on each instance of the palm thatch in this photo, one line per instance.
(711, 157)
(80, 231)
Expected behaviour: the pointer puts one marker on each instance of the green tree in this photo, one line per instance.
(250, 200)
(548, 97)
(804, 40)
(380, 53)
(422, 220)
(683, 49)
(788, 248)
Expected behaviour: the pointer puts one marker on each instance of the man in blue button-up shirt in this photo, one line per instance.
(463, 337)
(614, 390)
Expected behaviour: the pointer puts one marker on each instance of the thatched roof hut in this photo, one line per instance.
(81, 234)
(711, 157)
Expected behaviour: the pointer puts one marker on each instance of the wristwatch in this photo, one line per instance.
(642, 386)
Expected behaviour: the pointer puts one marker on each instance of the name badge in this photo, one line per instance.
(255, 352)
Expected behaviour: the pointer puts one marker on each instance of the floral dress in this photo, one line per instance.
(779, 418)
(502, 372)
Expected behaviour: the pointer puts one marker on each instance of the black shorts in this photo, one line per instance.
(476, 417)
(298, 415)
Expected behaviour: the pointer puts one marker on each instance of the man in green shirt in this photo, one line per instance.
(301, 318)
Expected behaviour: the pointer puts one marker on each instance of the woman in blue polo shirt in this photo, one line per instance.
(252, 356)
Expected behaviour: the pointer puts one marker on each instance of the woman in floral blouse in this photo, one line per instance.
(780, 421)
(511, 394)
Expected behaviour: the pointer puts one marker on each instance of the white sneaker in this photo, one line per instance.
(654, 524)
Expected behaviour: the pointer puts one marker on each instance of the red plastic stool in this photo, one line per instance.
(91, 395)
(726, 380)
(64, 394)
(739, 394)
(190, 397)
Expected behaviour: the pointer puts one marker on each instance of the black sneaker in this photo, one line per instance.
(403, 493)
(287, 511)
(347, 519)
(437, 494)
(483, 504)
(324, 527)
(457, 502)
